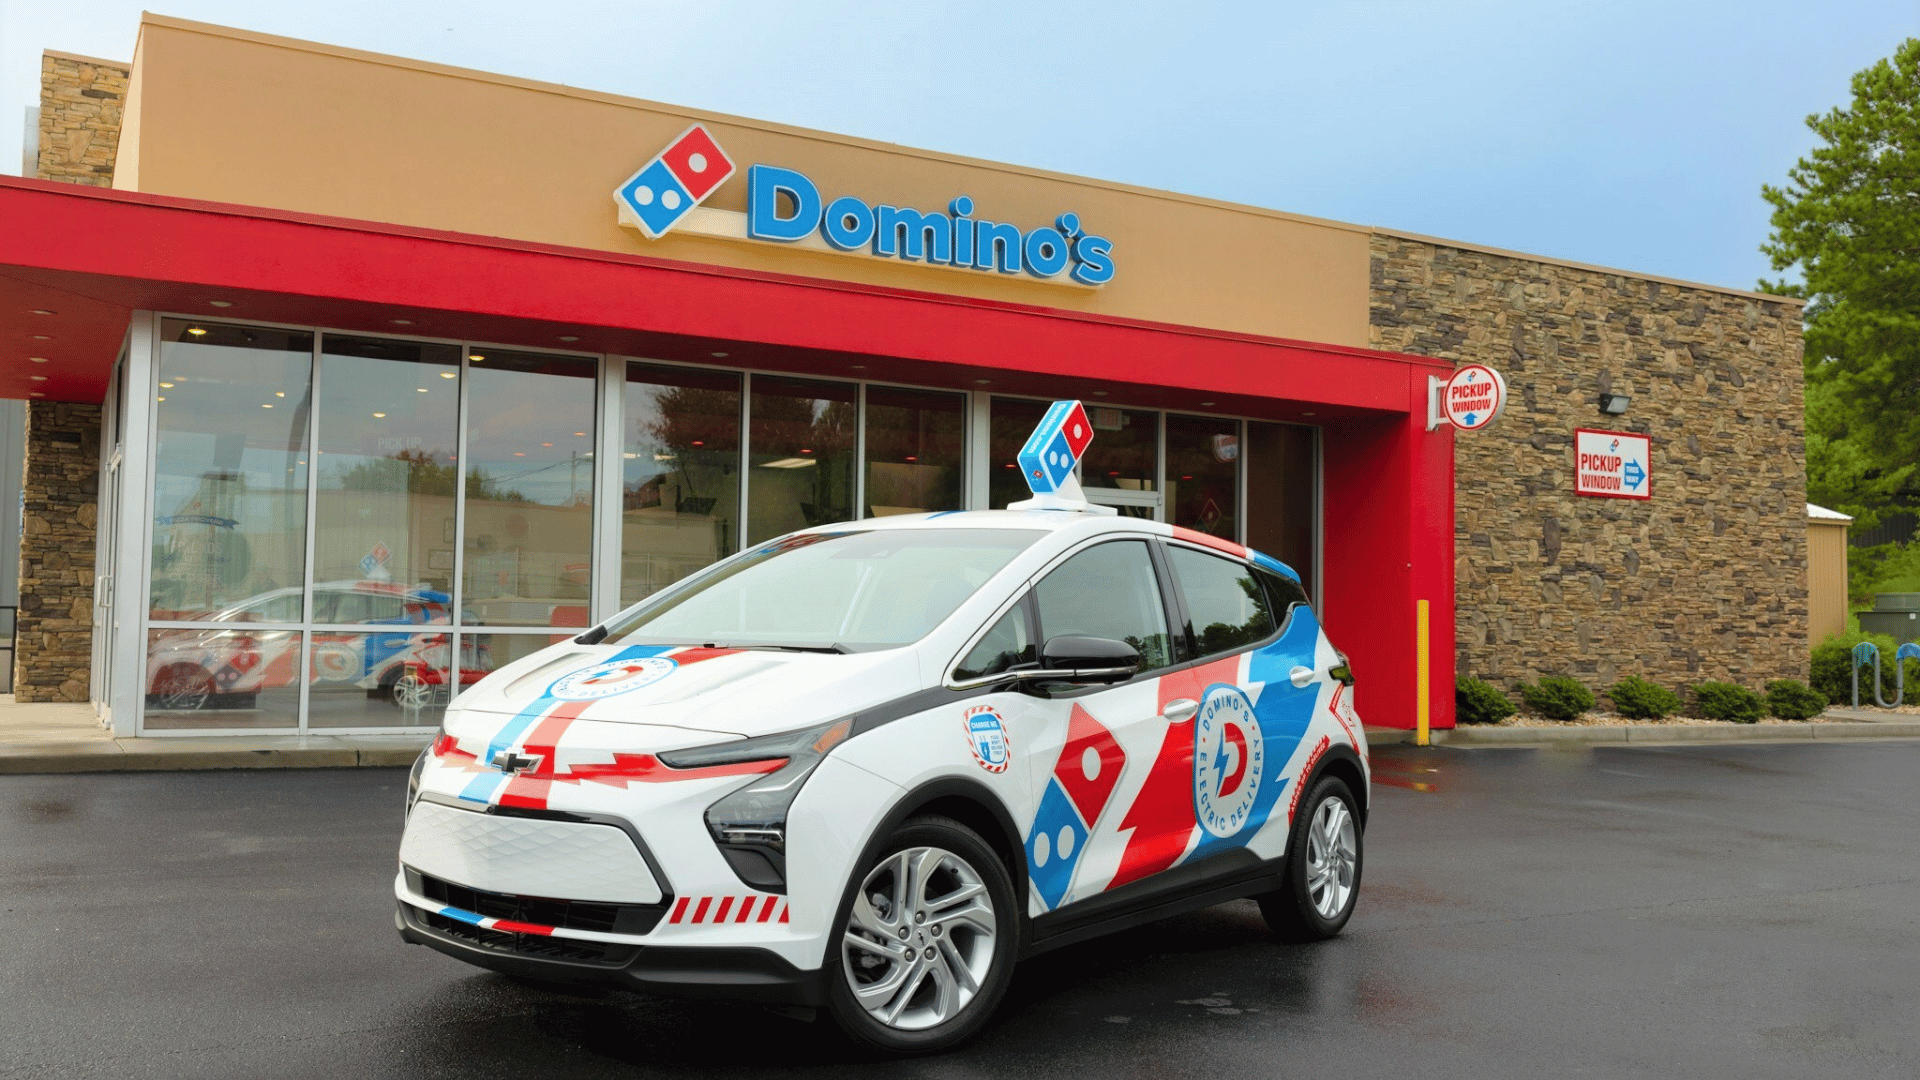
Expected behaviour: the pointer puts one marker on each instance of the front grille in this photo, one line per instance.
(551, 948)
(567, 914)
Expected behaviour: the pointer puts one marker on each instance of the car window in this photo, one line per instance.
(1228, 607)
(1010, 642)
(1109, 591)
(281, 608)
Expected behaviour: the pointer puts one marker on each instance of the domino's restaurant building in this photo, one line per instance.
(376, 417)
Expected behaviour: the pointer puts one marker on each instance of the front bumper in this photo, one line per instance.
(739, 973)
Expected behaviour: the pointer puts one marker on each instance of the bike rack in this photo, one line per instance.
(1866, 651)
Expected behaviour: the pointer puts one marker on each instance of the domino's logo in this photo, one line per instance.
(1058, 442)
(678, 179)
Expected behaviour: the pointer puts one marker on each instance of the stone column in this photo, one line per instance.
(61, 489)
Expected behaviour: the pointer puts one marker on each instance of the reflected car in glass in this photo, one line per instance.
(229, 665)
(863, 769)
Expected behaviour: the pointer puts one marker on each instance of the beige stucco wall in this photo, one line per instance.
(239, 117)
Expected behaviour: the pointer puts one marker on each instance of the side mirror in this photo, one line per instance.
(1074, 658)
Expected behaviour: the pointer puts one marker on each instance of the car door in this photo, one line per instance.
(1256, 685)
(1090, 749)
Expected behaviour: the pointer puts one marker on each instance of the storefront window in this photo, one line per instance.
(1010, 421)
(222, 677)
(529, 487)
(1125, 452)
(388, 427)
(230, 475)
(1280, 495)
(915, 442)
(1203, 474)
(680, 477)
(801, 453)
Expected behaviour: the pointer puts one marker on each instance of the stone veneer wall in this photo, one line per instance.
(81, 102)
(54, 636)
(1706, 581)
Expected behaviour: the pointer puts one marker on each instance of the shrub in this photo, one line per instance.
(1728, 701)
(1557, 697)
(1829, 675)
(1637, 699)
(1791, 699)
(1476, 701)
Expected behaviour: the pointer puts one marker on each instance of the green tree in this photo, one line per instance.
(1849, 221)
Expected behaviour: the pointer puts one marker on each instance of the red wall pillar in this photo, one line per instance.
(1388, 536)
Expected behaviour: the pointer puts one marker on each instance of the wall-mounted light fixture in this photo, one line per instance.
(1614, 404)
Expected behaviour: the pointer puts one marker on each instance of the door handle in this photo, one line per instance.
(1180, 710)
(1301, 676)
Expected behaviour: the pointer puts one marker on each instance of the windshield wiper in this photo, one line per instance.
(832, 647)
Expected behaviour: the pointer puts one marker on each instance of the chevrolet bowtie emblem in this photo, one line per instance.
(509, 762)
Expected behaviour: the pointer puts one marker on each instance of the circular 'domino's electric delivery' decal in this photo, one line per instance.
(608, 679)
(987, 737)
(1228, 753)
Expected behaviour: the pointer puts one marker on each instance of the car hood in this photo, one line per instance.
(744, 692)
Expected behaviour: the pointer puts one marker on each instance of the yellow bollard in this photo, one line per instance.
(1422, 676)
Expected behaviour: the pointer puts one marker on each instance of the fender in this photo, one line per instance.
(933, 792)
(1343, 758)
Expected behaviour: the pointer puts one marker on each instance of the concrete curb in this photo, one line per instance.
(1650, 735)
(215, 752)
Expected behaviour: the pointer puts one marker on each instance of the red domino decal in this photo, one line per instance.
(1161, 817)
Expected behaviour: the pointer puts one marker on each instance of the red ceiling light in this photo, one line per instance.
(44, 311)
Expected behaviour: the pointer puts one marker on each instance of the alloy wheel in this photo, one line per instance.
(919, 941)
(1332, 852)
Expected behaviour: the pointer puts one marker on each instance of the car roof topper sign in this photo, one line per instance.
(1048, 460)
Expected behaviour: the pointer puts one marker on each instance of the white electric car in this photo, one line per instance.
(868, 767)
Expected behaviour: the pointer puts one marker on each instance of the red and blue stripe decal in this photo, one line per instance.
(505, 926)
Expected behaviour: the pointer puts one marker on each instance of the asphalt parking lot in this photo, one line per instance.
(1738, 911)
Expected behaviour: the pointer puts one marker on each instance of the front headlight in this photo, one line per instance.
(750, 823)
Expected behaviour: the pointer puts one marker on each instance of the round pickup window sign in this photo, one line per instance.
(1474, 396)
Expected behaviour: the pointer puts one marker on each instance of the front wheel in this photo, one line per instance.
(926, 940)
(1323, 867)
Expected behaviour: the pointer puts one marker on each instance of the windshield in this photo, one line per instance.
(847, 591)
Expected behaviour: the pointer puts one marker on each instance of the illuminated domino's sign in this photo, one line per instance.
(1047, 460)
(785, 207)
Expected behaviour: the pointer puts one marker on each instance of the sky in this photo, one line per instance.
(1624, 133)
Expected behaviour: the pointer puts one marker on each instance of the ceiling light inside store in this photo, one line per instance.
(279, 393)
(789, 463)
(197, 331)
(38, 359)
(162, 397)
(1208, 404)
(35, 393)
(266, 406)
(1099, 393)
(221, 303)
(166, 386)
(1306, 414)
(419, 389)
(44, 311)
(569, 337)
(983, 382)
(718, 355)
(476, 357)
(41, 337)
(403, 322)
(38, 378)
(379, 416)
(546, 444)
(583, 435)
(455, 374)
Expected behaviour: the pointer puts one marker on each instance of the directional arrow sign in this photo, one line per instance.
(1612, 464)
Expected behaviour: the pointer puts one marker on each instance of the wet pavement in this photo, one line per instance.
(1738, 911)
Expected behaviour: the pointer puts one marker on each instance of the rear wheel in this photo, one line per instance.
(926, 940)
(1324, 857)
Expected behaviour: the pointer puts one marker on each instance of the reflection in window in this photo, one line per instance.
(387, 431)
(398, 677)
(1203, 474)
(1228, 607)
(230, 474)
(1109, 591)
(222, 677)
(915, 440)
(1008, 644)
(529, 487)
(801, 453)
(680, 476)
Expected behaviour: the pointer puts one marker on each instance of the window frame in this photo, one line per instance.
(1155, 560)
(1281, 625)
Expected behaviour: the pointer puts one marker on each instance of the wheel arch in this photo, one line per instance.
(974, 805)
(1343, 762)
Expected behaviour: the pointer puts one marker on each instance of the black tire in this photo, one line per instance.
(949, 836)
(1291, 911)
